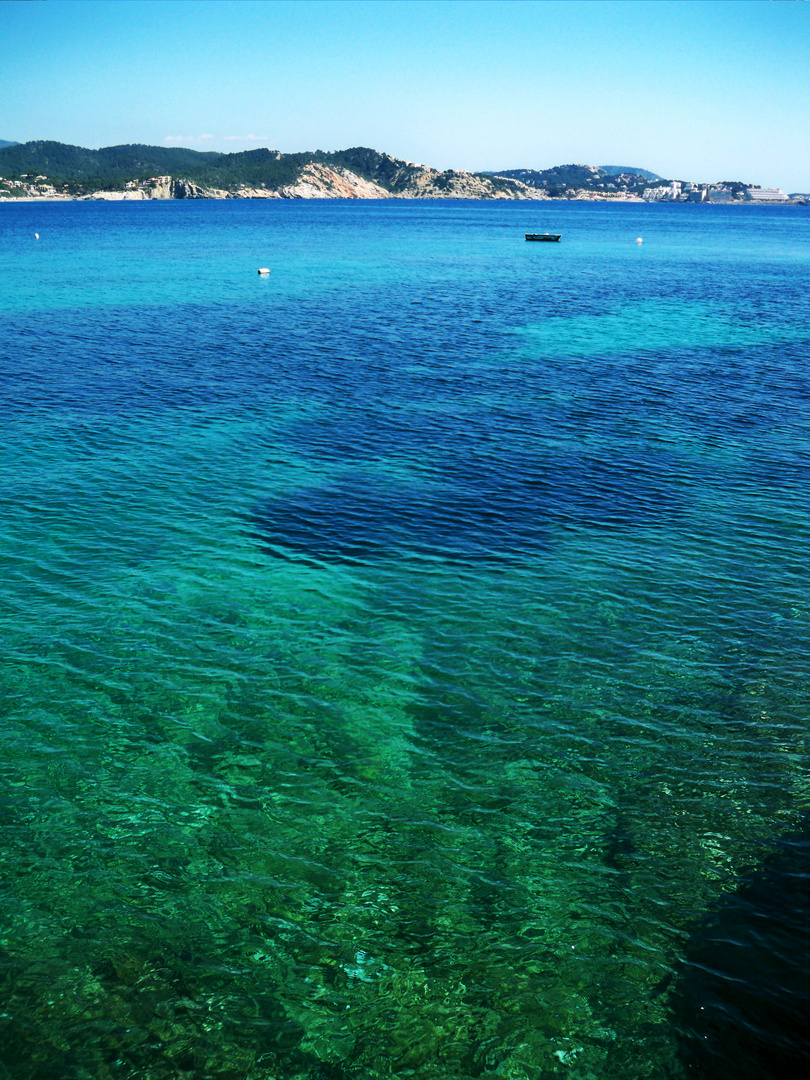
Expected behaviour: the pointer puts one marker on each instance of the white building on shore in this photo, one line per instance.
(767, 194)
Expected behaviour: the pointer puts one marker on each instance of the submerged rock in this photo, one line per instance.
(742, 1003)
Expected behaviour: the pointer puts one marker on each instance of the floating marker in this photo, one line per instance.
(639, 240)
(263, 270)
(36, 236)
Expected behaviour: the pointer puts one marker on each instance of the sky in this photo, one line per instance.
(703, 90)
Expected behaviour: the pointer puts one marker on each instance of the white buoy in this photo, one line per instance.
(36, 236)
(263, 270)
(639, 240)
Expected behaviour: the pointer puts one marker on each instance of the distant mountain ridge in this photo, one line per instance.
(596, 178)
(45, 169)
(619, 170)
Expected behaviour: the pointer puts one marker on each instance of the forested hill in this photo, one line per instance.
(114, 166)
(62, 163)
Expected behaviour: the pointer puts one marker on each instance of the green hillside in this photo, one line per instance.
(112, 166)
(63, 163)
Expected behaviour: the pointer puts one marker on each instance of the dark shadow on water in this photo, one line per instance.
(358, 521)
(483, 510)
(742, 1002)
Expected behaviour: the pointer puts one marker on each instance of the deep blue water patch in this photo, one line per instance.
(473, 508)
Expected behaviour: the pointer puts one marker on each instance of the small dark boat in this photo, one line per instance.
(543, 236)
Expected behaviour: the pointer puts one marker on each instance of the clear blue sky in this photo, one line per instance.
(692, 89)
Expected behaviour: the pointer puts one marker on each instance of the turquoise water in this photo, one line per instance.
(406, 663)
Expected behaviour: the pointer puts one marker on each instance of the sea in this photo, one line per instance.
(406, 653)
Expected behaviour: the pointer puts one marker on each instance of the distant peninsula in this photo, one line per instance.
(47, 170)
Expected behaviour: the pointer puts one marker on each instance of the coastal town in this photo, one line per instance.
(719, 193)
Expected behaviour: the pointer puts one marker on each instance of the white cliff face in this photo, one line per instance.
(115, 196)
(421, 182)
(332, 182)
(244, 193)
(166, 187)
(160, 187)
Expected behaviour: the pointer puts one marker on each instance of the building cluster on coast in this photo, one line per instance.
(37, 187)
(677, 191)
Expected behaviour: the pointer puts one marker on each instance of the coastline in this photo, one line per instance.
(110, 196)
